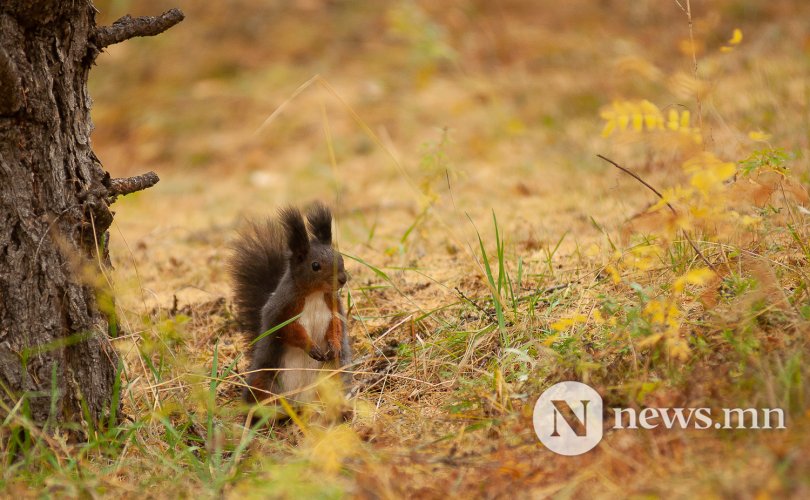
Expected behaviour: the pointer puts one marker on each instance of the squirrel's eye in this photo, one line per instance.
(316, 266)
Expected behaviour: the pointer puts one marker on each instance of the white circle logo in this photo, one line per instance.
(568, 418)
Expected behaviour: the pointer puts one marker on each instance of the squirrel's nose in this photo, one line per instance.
(342, 278)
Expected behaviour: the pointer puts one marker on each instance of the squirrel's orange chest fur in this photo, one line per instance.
(299, 370)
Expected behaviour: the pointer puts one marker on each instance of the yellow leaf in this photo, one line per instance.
(614, 274)
(672, 120)
(655, 311)
(708, 172)
(758, 135)
(735, 40)
(724, 171)
(673, 315)
(652, 121)
(564, 323)
(638, 122)
(652, 115)
(648, 107)
(550, 340)
(699, 276)
(651, 340)
(610, 126)
(685, 119)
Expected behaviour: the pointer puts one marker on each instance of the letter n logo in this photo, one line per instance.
(568, 418)
(566, 413)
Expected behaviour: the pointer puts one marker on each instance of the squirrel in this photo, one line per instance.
(279, 271)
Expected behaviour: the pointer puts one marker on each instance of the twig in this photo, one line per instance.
(694, 64)
(127, 185)
(675, 212)
(547, 290)
(688, 11)
(392, 329)
(486, 313)
(129, 27)
(636, 177)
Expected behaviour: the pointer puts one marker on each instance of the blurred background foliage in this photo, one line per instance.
(538, 72)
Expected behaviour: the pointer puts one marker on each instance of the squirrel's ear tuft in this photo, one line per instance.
(296, 231)
(320, 222)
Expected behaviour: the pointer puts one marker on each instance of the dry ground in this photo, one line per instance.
(427, 119)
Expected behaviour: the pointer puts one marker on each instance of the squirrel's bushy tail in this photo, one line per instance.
(256, 267)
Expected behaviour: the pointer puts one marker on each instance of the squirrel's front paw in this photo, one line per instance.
(318, 354)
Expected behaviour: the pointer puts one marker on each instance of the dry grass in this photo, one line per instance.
(428, 119)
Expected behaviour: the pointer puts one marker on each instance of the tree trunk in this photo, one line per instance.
(56, 311)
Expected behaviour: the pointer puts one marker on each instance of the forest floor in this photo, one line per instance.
(492, 254)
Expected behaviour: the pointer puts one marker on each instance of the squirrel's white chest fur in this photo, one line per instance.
(300, 370)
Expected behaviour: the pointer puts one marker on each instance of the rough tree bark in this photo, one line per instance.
(55, 197)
